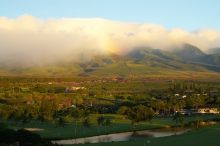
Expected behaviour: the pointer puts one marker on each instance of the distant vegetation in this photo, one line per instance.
(107, 105)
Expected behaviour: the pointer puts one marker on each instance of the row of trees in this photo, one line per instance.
(47, 108)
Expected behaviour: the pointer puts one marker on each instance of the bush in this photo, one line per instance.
(21, 137)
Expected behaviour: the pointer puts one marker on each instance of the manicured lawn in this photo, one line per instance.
(51, 131)
(208, 136)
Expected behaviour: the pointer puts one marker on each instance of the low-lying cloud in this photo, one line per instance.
(28, 40)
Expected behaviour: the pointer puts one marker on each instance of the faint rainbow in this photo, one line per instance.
(112, 47)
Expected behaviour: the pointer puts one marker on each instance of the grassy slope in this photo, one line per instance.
(148, 67)
(140, 62)
(50, 70)
(143, 70)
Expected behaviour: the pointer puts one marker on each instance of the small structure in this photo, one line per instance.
(72, 89)
(208, 111)
(184, 96)
(25, 89)
(199, 111)
(187, 112)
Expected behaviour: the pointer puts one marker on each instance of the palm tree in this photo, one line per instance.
(218, 101)
(86, 123)
(100, 121)
(61, 121)
(103, 121)
(76, 114)
(107, 123)
(197, 123)
(178, 118)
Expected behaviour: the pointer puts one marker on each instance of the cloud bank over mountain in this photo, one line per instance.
(28, 40)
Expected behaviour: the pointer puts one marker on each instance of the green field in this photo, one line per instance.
(52, 131)
(208, 136)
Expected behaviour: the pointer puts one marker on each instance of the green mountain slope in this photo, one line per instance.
(140, 61)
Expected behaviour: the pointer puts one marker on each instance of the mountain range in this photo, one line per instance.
(140, 61)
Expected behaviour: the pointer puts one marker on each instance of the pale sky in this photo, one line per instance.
(40, 31)
(186, 14)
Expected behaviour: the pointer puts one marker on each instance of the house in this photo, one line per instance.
(199, 111)
(25, 89)
(184, 96)
(74, 88)
(208, 111)
(77, 88)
